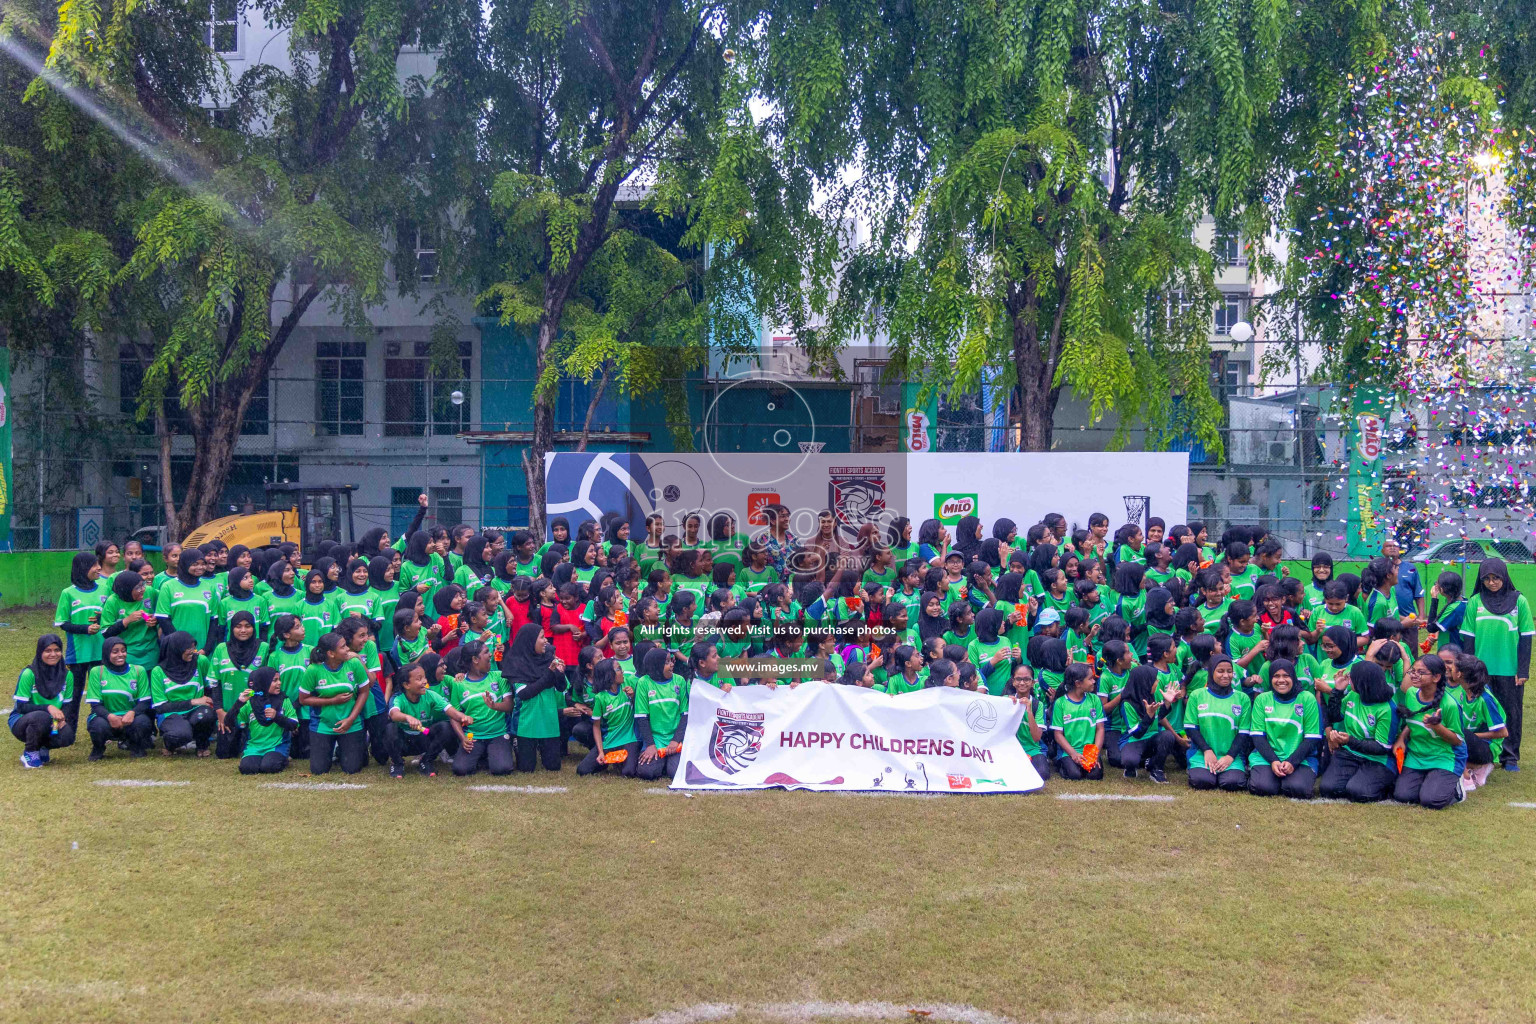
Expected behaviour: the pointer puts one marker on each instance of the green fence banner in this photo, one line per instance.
(918, 420)
(6, 487)
(1369, 413)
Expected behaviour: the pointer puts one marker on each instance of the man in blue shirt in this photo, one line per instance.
(1409, 592)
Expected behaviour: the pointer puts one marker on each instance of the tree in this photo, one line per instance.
(302, 169)
(625, 185)
(1041, 166)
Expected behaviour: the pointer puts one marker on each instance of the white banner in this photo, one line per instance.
(825, 736)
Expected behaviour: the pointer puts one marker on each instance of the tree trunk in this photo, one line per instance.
(543, 412)
(597, 396)
(1034, 370)
(167, 499)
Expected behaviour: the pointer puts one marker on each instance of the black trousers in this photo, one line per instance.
(1042, 766)
(138, 734)
(269, 763)
(1154, 751)
(1479, 750)
(590, 764)
(1512, 697)
(530, 751)
(195, 726)
(1111, 751)
(298, 743)
(351, 749)
(79, 670)
(495, 755)
(405, 741)
(1233, 780)
(581, 732)
(35, 730)
(229, 743)
(1070, 769)
(1434, 788)
(380, 742)
(1352, 777)
(661, 766)
(1262, 781)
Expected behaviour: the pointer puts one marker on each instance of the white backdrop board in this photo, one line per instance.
(1021, 486)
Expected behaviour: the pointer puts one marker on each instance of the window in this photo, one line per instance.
(416, 402)
(1228, 248)
(258, 411)
(1235, 376)
(339, 387)
(1177, 307)
(402, 508)
(445, 505)
(1229, 311)
(224, 26)
(426, 252)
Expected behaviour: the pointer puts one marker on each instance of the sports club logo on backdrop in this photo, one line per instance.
(756, 502)
(736, 739)
(949, 509)
(856, 495)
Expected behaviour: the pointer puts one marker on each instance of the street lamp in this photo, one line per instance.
(1242, 332)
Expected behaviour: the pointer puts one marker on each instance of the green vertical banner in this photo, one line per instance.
(918, 420)
(1368, 414)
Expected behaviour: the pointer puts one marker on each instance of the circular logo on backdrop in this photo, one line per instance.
(980, 717)
(671, 493)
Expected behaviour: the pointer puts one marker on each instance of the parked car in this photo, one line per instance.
(1464, 550)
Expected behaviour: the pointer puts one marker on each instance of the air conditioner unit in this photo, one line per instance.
(887, 406)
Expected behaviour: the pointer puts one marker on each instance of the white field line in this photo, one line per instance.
(808, 1012)
(1519, 803)
(313, 785)
(1150, 798)
(516, 789)
(139, 782)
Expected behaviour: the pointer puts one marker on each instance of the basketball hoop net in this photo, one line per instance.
(1136, 508)
(811, 447)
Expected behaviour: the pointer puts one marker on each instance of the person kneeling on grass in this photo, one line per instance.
(478, 693)
(1482, 716)
(118, 696)
(1362, 767)
(335, 684)
(1021, 686)
(1143, 739)
(1077, 720)
(1433, 749)
(537, 678)
(660, 717)
(424, 722)
(268, 721)
(1215, 716)
(613, 723)
(183, 691)
(1285, 728)
(37, 713)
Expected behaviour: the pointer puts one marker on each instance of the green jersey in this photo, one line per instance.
(189, 609)
(1077, 720)
(26, 690)
(408, 650)
(1367, 722)
(345, 681)
(293, 605)
(1219, 720)
(900, 684)
(1285, 724)
(231, 677)
(261, 736)
(993, 677)
(255, 604)
(319, 617)
(756, 579)
(141, 635)
(660, 704)
(291, 665)
(1496, 638)
(384, 602)
(1130, 554)
(1110, 687)
(165, 690)
(1243, 582)
(364, 606)
(1239, 644)
(616, 715)
(79, 607)
(1212, 617)
(1482, 713)
(117, 692)
(539, 718)
(1349, 616)
(433, 574)
(474, 698)
(1026, 740)
(1427, 750)
(431, 708)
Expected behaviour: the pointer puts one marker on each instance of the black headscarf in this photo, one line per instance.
(242, 652)
(172, 663)
(930, 626)
(368, 543)
(378, 565)
(430, 662)
(275, 579)
(235, 551)
(1040, 559)
(125, 583)
(557, 522)
(1009, 587)
(416, 548)
(656, 661)
(968, 537)
(107, 647)
(928, 533)
(499, 565)
(352, 567)
(991, 552)
(260, 681)
(989, 622)
(323, 567)
(1183, 555)
(474, 557)
(1344, 637)
(79, 570)
(1048, 653)
(309, 577)
(1210, 674)
(1128, 577)
(442, 601)
(48, 680)
(579, 554)
(1502, 601)
(520, 664)
(1140, 689)
(1157, 607)
(1002, 528)
(1289, 668)
(1370, 682)
(563, 573)
(189, 556)
(1321, 558)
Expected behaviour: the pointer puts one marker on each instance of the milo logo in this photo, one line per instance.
(949, 509)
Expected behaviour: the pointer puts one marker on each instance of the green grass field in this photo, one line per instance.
(427, 901)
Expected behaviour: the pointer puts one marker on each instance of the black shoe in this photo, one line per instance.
(1130, 773)
(95, 755)
(397, 773)
(1157, 776)
(426, 768)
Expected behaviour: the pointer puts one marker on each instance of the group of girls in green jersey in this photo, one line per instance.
(492, 651)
